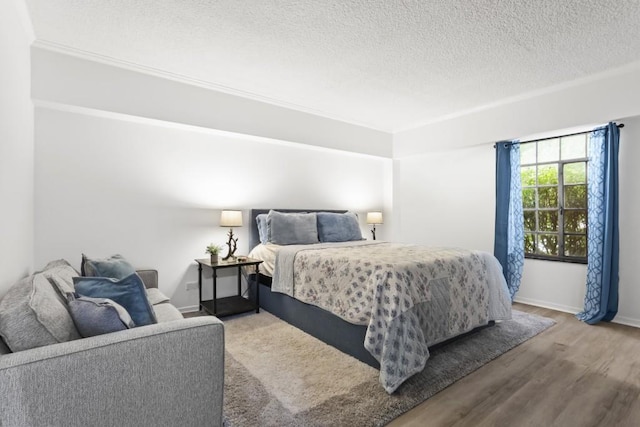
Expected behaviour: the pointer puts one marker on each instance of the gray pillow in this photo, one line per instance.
(115, 266)
(338, 227)
(33, 314)
(292, 228)
(97, 316)
(60, 273)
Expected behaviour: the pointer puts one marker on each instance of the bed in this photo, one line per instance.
(383, 303)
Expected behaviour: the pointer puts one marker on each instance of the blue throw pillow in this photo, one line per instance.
(115, 266)
(97, 316)
(292, 228)
(261, 220)
(338, 227)
(128, 292)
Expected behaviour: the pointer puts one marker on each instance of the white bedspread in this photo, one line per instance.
(409, 296)
(267, 254)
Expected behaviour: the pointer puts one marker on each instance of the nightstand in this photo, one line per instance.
(235, 304)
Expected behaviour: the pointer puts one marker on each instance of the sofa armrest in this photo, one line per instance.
(149, 278)
(164, 374)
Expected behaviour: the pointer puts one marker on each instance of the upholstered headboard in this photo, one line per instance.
(254, 237)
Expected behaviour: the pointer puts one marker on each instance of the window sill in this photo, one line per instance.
(556, 259)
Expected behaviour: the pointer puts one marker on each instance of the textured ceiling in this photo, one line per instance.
(389, 65)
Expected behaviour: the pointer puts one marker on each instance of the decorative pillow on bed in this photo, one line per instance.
(261, 220)
(292, 228)
(338, 227)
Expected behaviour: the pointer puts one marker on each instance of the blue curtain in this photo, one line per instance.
(509, 228)
(601, 299)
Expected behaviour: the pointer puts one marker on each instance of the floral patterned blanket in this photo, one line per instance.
(409, 296)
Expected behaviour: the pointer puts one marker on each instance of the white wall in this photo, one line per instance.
(612, 95)
(133, 163)
(444, 180)
(629, 310)
(16, 149)
(125, 163)
(152, 190)
(69, 80)
(436, 193)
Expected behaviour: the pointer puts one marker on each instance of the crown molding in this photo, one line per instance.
(633, 66)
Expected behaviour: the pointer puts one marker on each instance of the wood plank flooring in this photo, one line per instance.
(572, 374)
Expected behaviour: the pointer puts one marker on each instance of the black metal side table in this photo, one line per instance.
(235, 304)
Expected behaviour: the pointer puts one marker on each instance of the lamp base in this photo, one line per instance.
(233, 245)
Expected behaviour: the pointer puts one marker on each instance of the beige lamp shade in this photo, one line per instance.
(374, 218)
(231, 219)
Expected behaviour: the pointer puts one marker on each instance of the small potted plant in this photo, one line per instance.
(214, 251)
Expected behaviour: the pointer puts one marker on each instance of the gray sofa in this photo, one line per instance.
(167, 374)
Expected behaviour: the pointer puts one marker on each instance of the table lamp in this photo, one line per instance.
(229, 218)
(374, 218)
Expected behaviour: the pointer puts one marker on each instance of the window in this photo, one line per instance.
(554, 198)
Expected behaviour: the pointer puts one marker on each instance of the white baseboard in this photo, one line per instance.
(549, 305)
(573, 310)
(626, 321)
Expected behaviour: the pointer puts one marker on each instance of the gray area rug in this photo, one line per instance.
(277, 375)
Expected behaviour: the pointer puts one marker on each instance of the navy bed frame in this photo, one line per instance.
(325, 326)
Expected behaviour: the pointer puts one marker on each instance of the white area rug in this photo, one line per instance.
(277, 375)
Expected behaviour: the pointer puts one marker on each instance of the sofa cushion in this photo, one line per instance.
(156, 297)
(3, 347)
(114, 266)
(97, 316)
(129, 292)
(166, 312)
(33, 314)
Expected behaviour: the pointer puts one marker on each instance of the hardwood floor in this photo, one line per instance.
(572, 374)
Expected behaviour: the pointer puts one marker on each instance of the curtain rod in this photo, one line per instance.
(621, 125)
